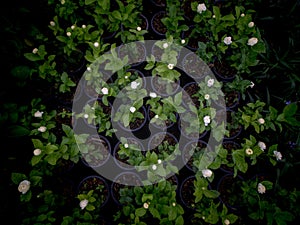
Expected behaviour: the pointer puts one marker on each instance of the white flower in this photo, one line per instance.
(42, 129)
(69, 34)
(24, 186)
(261, 188)
(154, 167)
(207, 173)
(206, 96)
(252, 41)
(251, 24)
(138, 28)
(96, 44)
(132, 109)
(210, 82)
(278, 155)
(242, 15)
(206, 120)
(165, 45)
(153, 95)
(52, 23)
(262, 145)
(86, 116)
(252, 85)
(201, 7)
(83, 203)
(214, 16)
(171, 66)
(73, 27)
(182, 41)
(227, 40)
(156, 116)
(226, 222)
(37, 152)
(89, 69)
(126, 145)
(261, 121)
(249, 151)
(35, 50)
(146, 205)
(104, 91)
(62, 2)
(38, 114)
(174, 204)
(126, 77)
(134, 85)
(159, 161)
(83, 26)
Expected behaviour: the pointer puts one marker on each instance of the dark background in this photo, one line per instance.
(279, 21)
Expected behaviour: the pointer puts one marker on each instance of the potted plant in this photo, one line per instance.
(152, 203)
(95, 150)
(234, 39)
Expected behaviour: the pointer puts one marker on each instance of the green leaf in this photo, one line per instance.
(172, 213)
(17, 131)
(125, 119)
(117, 15)
(140, 212)
(178, 98)
(239, 160)
(87, 216)
(126, 210)
(290, 110)
(17, 177)
(88, 2)
(179, 221)
(154, 212)
(35, 160)
(21, 72)
(211, 193)
(146, 197)
(37, 143)
(32, 57)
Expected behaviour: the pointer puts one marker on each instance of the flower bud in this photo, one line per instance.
(42, 129)
(37, 152)
(24, 186)
(252, 41)
(251, 24)
(261, 121)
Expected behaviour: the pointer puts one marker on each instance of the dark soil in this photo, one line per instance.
(188, 12)
(187, 192)
(159, 3)
(234, 130)
(192, 39)
(191, 89)
(194, 67)
(157, 24)
(164, 87)
(231, 99)
(230, 191)
(223, 70)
